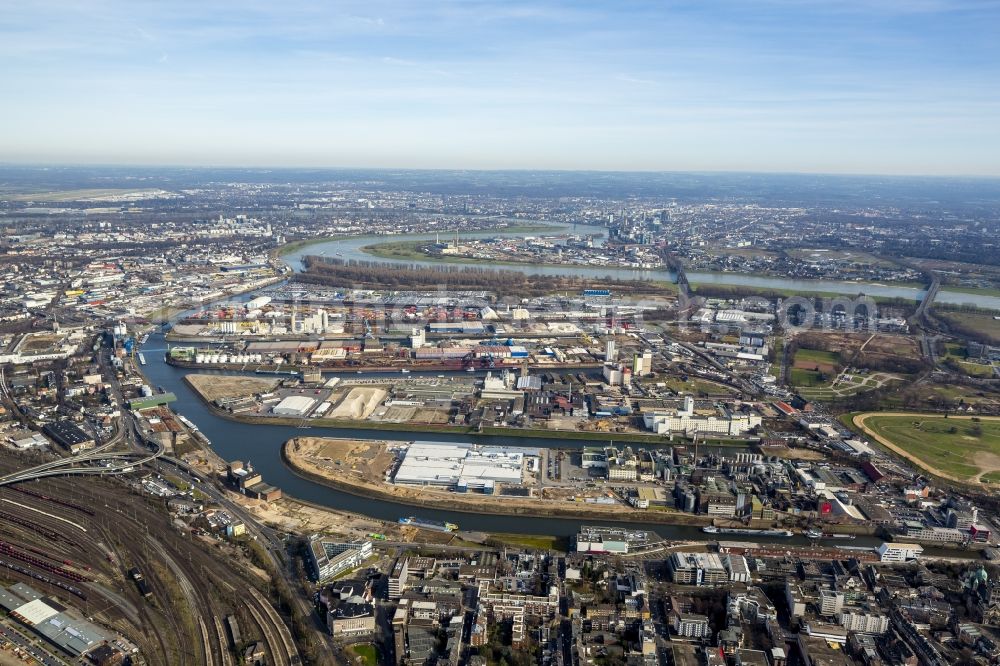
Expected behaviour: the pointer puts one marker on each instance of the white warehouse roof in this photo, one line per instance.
(294, 405)
(445, 464)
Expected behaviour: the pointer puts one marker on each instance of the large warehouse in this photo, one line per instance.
(62, 627)
(445, 464)
(294, 405)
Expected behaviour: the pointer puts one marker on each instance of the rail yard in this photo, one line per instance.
(79, 542)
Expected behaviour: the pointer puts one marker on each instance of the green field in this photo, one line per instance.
(813, 368)
(976, 369)
(979, 324)
(807, 378)
(979, 291)
(961, 448)
(366, 654)
(817, 356)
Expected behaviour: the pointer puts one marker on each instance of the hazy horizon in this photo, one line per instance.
(878, 87)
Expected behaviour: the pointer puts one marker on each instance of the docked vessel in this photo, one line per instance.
(439, 525)
(839, 536)
(813, 534)
(745, 531)
(405, 371)
(142, 360)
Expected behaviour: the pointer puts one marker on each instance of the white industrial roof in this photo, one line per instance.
(296, 403)
(36, 611)
(445, 464)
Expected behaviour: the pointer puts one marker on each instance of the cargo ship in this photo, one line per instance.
(745, 531)
(439, 525)
(814, 533)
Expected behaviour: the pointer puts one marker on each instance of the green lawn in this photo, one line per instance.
(992, 477)
(817, 356)
(976, 369)
(366, 654)
(814, 367)
(807, 378)
(779, 350)
(960, 447)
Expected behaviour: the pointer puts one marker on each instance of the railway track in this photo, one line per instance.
(286, 635)
(209, 658)
(278, 655)
(227, 658)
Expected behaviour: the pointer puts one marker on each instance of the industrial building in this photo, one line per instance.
(52, 621)
(150, 401)
(685, 420)
(471, 467)
(294, 405)
(359, 403)
(697, 569)
(899, 552)
(70, 436)
(250, 482)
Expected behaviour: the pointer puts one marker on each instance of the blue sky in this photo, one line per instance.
(859, 86)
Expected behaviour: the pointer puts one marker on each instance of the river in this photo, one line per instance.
(352, 248)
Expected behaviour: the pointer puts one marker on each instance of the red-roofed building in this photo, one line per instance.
(873, 472)
(785, 408)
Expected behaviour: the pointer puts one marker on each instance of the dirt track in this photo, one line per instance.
(859, 421)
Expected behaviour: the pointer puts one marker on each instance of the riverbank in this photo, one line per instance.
(295, 453)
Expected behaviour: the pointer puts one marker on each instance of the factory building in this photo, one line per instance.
(294, 405)
(686, 421)
(70, 436)
(53, 622)
(697, 569)
(445, 464)
(642, 364)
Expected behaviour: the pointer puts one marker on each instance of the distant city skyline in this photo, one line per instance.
(855, 86)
